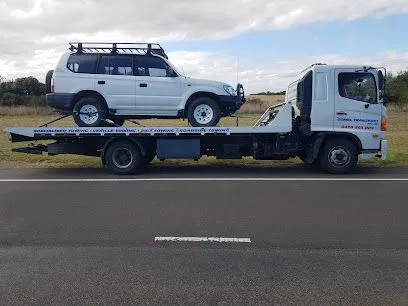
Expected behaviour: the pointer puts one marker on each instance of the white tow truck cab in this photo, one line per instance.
(331, 116)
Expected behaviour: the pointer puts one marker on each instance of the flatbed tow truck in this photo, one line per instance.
(331, 116)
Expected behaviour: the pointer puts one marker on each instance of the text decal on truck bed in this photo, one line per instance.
(155, 130)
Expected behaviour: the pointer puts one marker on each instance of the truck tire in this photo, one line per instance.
(203, 111)
(124, 157)
(338, 156)
(48, 78)
(89, 112)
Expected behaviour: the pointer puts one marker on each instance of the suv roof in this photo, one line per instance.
(118, 48)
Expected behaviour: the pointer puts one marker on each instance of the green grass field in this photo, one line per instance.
(397, 136)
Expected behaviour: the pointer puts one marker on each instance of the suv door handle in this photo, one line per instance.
(101, 82)
(143, 85)
(341, 113)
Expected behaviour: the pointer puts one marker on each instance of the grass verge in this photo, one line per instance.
(25, 116)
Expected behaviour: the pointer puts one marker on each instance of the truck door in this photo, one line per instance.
(357, 110)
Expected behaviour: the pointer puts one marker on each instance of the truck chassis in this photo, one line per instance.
(125, 151)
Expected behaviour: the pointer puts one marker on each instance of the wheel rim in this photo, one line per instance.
(88, 114)
(203, 114)
(339, 156)
(122, 158)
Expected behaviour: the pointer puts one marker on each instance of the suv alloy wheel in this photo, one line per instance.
(89, 112)
(203, 112)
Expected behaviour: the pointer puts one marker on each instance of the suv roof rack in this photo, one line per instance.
(117, 48)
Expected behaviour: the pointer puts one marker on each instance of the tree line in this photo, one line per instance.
(270, 93)
(22, 91)
(31, 92)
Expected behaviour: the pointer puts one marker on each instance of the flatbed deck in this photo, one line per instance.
(127, 150)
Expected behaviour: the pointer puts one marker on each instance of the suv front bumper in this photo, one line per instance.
(230, 104)
(60, 101)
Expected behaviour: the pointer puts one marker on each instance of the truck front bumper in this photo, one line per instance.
(382, 153)
(384, 149)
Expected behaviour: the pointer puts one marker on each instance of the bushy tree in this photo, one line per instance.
(397, 88)
(29, 86)
(22, 91)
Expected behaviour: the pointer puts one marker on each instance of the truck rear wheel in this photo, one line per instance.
(124, 157)
(338, 156)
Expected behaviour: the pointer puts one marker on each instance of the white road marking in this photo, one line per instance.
(203, 239)
(209, 179)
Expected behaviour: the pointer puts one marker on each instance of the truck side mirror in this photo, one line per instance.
(380, 80)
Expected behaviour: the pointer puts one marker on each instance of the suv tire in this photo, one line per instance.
(89, 112)
(339, 156)
(203, 111)
(48, 78)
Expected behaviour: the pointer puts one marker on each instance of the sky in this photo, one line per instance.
(262, 44)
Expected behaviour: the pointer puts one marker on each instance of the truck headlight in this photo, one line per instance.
(230, 90)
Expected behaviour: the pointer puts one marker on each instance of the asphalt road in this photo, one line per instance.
(87, 237)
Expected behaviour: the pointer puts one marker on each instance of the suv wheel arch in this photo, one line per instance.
(197, 95)
(89, 93)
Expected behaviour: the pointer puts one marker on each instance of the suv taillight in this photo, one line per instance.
(52, 86)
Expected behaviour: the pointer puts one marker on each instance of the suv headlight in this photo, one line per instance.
(230, 90)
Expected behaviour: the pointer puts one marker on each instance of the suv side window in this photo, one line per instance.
(82, 63)
(151, 66)
(116, 65)
(358, 86)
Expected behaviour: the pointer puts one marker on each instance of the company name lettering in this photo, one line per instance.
(130, 130)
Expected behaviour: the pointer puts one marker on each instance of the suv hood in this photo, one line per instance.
(206, 82)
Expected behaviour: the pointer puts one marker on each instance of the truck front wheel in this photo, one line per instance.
(124, 157)
(338, 156)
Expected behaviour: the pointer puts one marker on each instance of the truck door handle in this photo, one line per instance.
(101, 82)
(143, 85)
(342, 114)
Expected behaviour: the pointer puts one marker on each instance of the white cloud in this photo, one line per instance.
(276, 75)
(273, 76)
(34, 32)
(175, 19)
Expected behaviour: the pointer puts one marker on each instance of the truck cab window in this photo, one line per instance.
(358, 86)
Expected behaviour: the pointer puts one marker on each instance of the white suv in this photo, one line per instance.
(116, 81)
